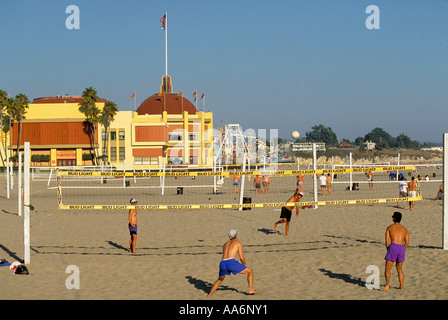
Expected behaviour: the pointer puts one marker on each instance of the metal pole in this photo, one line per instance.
(315, 175)
(19, 189)
(242, 181)
(26, 200)
(445, 196)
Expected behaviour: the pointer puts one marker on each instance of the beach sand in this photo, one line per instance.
(325, 255)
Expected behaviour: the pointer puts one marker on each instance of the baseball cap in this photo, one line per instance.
(233, 233)
(133, 200)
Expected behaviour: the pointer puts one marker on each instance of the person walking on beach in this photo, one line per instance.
(329, 183)
(370, 179)
(403, 189)
(236, 182)
(412, 192)
(323, 184)
(266, 183)
(229, 264)
(299, 184)
(257, 185)
(397, 240)
(285, 215)
(133, 226)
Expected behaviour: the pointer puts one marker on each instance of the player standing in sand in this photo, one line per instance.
(285, 215)
(236, 182)
(133, 226)
(323, 184)
(257, 185)
(412, 192)
(229, 264)
(397, 240)
(370, 179)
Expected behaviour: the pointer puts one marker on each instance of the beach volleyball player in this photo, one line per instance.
(133, 226)
(285, 215)
(229, 264)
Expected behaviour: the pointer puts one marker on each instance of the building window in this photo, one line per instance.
(121, 153)
(104, 135)
(113, 154)
(121, 135)
(105, 153)
(175, 136)
(113, 135)
(175, 160)
(193, 136)
(146, 161)
(193, 160)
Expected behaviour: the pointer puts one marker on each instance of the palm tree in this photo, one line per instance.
(4, 121)
(92, 113)
(19, 109)
(110, 109)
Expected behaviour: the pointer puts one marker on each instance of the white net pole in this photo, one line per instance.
(26, 200)
(7, 173)
(242, 181)
(19, 188)
(315, 175)
(49, 178)
(351, 174)
(445, 197)
(163, 178)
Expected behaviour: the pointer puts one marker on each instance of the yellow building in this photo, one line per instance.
(165, 128)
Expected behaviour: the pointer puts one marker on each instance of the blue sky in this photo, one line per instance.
(286, 65)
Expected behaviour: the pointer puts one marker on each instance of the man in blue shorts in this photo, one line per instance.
(397, 240)
(229, 264)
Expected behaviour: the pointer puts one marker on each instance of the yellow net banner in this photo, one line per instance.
(229, 173)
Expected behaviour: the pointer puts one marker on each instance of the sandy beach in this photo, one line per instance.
(325, 255)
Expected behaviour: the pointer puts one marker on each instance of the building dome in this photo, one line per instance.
(170, 102)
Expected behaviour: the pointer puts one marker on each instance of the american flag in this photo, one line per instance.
(163, 21)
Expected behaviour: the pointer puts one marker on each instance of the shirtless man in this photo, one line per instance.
(257, 185)
(236, 182)
(285, 215)
(329, 183)
(229, 264)
(397, 240)
(266, 183)
(133, 226)
(412, 192)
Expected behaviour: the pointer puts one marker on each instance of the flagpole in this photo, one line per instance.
(166, 48)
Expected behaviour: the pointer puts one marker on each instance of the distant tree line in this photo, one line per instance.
(382, 139)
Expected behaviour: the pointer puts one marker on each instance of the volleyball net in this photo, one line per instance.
(232, 189)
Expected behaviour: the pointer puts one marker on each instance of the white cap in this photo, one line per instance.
(233, 233)
(133, 200)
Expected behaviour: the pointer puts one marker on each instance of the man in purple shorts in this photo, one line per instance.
(397, 240)
(229, 264)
